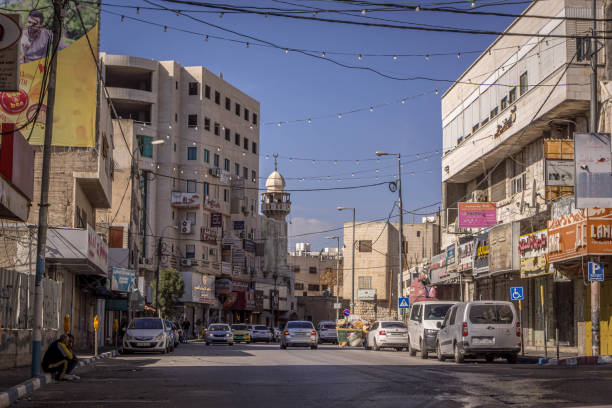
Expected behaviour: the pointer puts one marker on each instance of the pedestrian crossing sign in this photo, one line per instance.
(404, 303)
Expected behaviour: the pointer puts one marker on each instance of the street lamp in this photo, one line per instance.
(337, 238)
(401, 229)
(352, 260)
(159, 255)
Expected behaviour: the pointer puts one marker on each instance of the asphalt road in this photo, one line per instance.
(262, 375)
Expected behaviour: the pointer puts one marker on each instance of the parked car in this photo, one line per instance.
(147, 334)
(488, 329)
(327, 332)
(299, 333)
(260, 333)
(219, 333)
(175, 334)
(423, 325)
(387, 334)
(241, 333)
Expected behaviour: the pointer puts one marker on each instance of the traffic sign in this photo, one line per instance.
(516, 293)
(404, 303)
(347, 312)
(338, 305)
(596, 272)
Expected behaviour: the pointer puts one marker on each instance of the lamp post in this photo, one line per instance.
(401, 229)
(159, 255)
(352, 260)
(337, 238)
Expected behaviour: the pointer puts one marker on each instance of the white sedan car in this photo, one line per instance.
(147, 334)
(387, 333)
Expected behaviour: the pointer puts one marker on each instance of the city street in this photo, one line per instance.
(262, 375)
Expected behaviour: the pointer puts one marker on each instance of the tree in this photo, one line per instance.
(171, 290)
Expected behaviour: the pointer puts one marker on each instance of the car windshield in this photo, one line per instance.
(299, 325)
(393, 325)
(436, 312)
(146, 324)
(239, 327)
(219, 327)
(329, 326)
(491, 314)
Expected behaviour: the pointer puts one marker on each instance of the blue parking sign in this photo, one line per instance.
(596, 272)
(516, 293)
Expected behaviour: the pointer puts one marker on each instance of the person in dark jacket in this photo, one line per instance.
(59, 359)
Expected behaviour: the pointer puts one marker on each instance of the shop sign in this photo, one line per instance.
(533, 249)
(226, 268)
(477, 215)
(178, 199)
(450, 255)
(97, 249)
(593, 164)
(366, 294)
(559, 172)
(223, 288)
(238, 225)
(250, 246)
(583, 232)
(216, 220)
(259, 300)
(503, 242)
(481, 254)
(123, 279)
(204, 289)
(208, 235)
(240, 285)
(437, 267)
(505, 124)
(211, 204)
(466, 255)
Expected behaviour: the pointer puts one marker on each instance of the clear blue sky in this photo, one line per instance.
(293, 86)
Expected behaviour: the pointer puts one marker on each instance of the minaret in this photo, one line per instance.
(275, 203)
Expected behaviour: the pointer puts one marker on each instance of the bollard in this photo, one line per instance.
(67, 323)
(96, 325)
(116, 329)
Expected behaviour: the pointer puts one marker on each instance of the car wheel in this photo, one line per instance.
(207, 343)
(375, 346)
(231, 344)
(411, 351)
(283, 347)
(439, 352)
(489, 358)
(459, 358)
(512, 358)
(424, 353)
(314, 347)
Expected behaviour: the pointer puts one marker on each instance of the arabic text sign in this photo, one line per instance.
(123, 280)
(477, 215)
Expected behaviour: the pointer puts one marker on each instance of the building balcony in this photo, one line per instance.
(282, 207)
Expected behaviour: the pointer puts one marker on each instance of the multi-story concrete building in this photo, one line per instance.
(313, 271)
(198, 140)
(508, 125)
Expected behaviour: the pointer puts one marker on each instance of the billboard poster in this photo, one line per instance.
(593, 168)
(123, 280)
(216, 220)
(481, 254)
(465, 253)
(559, 172)
(477, 215)
(178, 199)
(533, 249)
(450, 255)
(76, 97)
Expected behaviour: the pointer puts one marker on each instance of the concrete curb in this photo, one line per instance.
(576, 361)
(27, 387)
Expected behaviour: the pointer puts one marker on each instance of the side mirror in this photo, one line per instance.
(439, 325)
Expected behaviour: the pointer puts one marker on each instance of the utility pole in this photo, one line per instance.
(595, 286)
(159, 257)
(43, 211)
(401, 238)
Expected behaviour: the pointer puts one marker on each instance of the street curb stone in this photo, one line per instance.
(27, 387)
(576, 361)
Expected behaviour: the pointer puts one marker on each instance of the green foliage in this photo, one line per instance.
(171, 289)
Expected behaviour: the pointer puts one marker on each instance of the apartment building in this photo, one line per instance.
(198, 168)
(314, 272)
(508, 125)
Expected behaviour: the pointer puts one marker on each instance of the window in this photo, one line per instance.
(504, 103)
(517, 184)
(365, 245)
(192, 153)
(365, 282)
(207, 124)
(237, 139)
(145, 146)
(494, 112)
(512, 95)
(523, 85)
(191, 217)
(436, 311)
(192, 121)
(204, 254)
(254, 176)
(418, 234)
(245, 143)
(228, 136)
(216, 160)
(312, 269)
(226, 165)
(228, 104)
(296, 269)
(176, 118)
(245, 173)
(207, 92)
(298, 286)
(237, 109)
(175, 84)
(491, 314)
(246, 114)
(206, 156)
(190, 251)
(313, 288)
(225, 195)
(217, 129)
(237, 169)
(324, 287)
(175, 147)
(217, 98)
(206, 190)
(191, 186)
(254, 148)
(414, 313)
(475, 127)
(193, 88)
(254, 118)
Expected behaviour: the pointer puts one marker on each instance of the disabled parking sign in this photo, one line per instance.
(516, 293)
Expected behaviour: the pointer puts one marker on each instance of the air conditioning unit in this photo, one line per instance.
(186, 227)
(479, 196)
(215, 172)
(185, 262)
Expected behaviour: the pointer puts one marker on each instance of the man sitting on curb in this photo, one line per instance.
(59, 359)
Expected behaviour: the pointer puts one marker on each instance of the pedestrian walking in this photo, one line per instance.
(186, 325)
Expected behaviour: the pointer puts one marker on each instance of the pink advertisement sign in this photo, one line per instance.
(477, 215)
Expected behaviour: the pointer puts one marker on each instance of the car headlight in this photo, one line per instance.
(228, 334)
(431, 332)
(159, 336)
(128, 337)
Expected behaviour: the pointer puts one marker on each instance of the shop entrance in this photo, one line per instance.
(564, 312)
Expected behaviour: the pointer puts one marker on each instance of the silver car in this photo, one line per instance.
(327, 332)
(299, 333)
(219, 333)
(387, 334)
(260, 333)
(147, 334)
(488, 329)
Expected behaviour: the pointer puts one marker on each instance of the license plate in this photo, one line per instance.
(143, 344)
(483, 341)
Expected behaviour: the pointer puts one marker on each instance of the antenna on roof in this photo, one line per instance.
(275, 155)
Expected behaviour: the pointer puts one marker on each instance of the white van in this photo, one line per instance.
(425, 320)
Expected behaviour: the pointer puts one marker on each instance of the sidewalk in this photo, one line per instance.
(534, 354)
